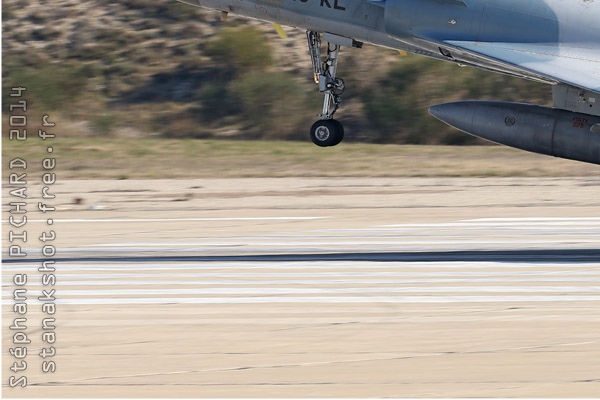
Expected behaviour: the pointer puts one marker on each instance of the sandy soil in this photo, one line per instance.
(329, 349)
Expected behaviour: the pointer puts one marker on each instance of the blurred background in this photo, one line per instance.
(147, 68)
(151, 98)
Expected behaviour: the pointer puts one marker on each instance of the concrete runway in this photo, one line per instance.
(319, 288)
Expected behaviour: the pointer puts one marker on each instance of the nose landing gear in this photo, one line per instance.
(326, 131)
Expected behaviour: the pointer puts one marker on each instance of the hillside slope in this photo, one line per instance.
(161, 68)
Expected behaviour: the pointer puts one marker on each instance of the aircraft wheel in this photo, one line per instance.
(327, 132)
(339, 133)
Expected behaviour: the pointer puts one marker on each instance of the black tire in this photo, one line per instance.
(339, 133)
(326, 132)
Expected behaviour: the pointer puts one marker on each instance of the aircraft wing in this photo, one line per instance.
(579, 67)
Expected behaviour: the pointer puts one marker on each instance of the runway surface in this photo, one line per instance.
(284, 290)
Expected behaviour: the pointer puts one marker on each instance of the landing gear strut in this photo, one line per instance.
(326, 131)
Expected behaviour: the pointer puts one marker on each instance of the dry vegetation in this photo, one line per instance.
(126, 158)
(147, 68)
(142, 88)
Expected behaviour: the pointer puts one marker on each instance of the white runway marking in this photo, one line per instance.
(374, 299)
(495, 222)
(104, 220)
(268, 291)
(222, 281)
(478, 234)
(321, 282)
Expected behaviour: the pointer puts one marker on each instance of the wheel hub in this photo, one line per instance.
(322, 133)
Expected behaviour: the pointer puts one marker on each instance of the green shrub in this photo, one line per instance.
(51, 86)
(272, 104)
(240, 49)
(217, 101)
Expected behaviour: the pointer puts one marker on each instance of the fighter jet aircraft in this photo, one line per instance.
(552, 41)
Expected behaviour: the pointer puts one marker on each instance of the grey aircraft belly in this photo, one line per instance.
(552, 41)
